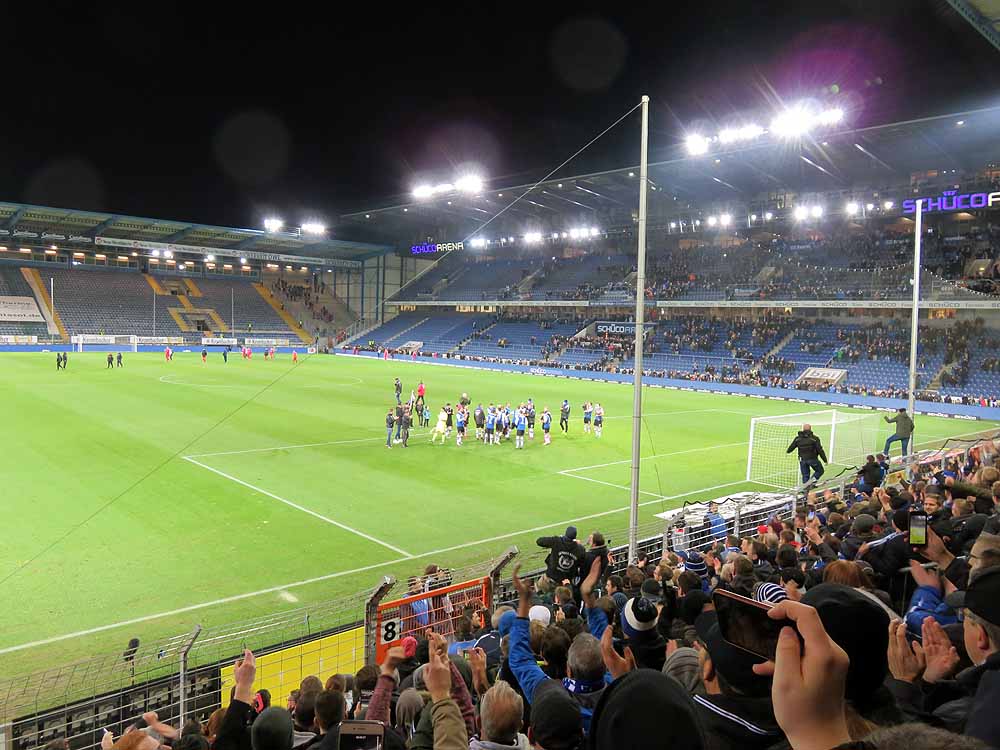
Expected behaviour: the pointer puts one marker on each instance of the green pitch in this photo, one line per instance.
(134, 493)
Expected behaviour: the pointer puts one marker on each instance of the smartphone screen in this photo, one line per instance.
(361, 735)
(744, 623)
(918, 530)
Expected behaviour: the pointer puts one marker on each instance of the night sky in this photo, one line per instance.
(225, 115)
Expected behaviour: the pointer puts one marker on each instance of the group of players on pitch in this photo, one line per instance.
(493, 423)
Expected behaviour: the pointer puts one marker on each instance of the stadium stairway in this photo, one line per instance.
(781, 344)
(155, 285)
(45, 306)
(264, 292)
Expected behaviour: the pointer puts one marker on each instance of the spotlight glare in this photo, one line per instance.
(313, 227)
(594, 231)
(792, 123)
(888, 205)
(851, 208)
(478, 242)
(469, 184)
(273, 224)
(210, 258)
(753, 217)
(800, 213)
(712, 221)
(725, 219)
(533, 237)
(742, 133)
(696, 144)
(673, 225)
(768, 216)
(831, 116)
(870, 206)
(816, 211)
(243, 261)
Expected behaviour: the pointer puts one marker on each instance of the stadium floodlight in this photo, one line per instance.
(851, 208)
(594, 231)
(631, 174)
(697, 222)
(168, 253)
(888, 205)
(564, 235)
(673, 225)
(555, 235)
(753, 217)
(273, 224)
(469, 184)
(696, 144)
(533, 237)
(712, 221)
(960, 123)
(870, 206)
(801, 213)
(510, 239)
(423, 191)
(574, 233)
(743, 133)
(155, 253)
(725, 220)
(243, 261)
(816, 211)
(368, 216)
(210, 258)
(313, 227)
(830, 116)
(768, 216)
(479, 242)
(181, 265)
(792, 123)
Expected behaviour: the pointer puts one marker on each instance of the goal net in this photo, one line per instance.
(846, 438)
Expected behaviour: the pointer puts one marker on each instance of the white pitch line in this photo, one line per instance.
(329, 576)
(656, 455)
(413, 433)
(290, 504)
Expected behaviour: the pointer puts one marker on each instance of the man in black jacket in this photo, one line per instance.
(810, 453)
(565, 556)
(870, 476)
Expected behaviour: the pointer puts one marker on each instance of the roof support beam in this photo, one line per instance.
(181, 235)
(94, 231)
(247, 243)
(15, 217)
(978, 22)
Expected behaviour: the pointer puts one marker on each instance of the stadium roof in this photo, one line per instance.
(983, 15)
(68, 226)
(881, 158)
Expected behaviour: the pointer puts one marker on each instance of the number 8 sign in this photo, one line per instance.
(391, 631)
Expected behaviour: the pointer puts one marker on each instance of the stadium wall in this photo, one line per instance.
(928, 408)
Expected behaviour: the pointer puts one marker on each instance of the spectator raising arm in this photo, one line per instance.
(522, 661)
(449, 728)
(597, 619)
(378, 707)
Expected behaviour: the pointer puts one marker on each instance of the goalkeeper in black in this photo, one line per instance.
(810, 453)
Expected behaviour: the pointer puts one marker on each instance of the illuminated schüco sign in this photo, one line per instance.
(952, 200)
(435, 247)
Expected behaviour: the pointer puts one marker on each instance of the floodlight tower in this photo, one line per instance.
(640, 310)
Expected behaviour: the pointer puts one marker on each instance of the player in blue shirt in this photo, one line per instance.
(520, 424)
(460, 416)
(546, 425)
(491, 423)
(587, 411)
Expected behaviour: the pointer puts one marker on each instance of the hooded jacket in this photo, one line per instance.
(564, 559)
(808, 446)
(521, 744)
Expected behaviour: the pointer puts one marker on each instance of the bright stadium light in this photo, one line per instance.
(743, 133)
(243, 261)
(555, 235)
(725, 220)
(469, 184)
(533, 237)
(888, 205)
(168, 253)
(830, 116)
(594, 231)
(792, 123)
(696, 144)
(574, 233)
(478, 242)
(768, 216)
(753, 217)
(816, 211)
(673, 225)
(273, 224)
(697, 222)
(712, 221)
(210, 258)
(801, 213)
(870, 206)
(852, 208)
(313, 227)
(155, 253)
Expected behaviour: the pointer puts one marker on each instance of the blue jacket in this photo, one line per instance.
(927, 602)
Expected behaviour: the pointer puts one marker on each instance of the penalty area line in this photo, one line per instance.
(330, 576)
(298, 507)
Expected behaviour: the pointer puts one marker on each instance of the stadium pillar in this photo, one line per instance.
(915, 314)
(640, 313)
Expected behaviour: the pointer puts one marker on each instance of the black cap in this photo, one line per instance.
(734, 664)
(639, 706)
(982, 597)
(272, 730)
(652, 590)
(692, 604)
(858, 625)
(901, 519)
(571, 532)
(556, 722)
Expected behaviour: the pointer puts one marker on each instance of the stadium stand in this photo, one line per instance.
(12, 284)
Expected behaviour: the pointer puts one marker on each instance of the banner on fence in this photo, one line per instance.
(265, 342)
(93, 338)
(20, 310)
(18, 339)
(217, 341)
(159, 339)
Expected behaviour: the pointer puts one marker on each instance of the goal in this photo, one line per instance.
(846, 438)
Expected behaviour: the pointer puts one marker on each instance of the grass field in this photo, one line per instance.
(134, 493)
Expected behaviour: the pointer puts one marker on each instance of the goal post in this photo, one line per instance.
(846, 438)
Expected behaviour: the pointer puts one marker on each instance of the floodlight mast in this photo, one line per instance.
(915, 313)
(640, 309)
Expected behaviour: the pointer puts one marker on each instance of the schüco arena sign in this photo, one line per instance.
(618, 328)
(435, 247)
(952, 200)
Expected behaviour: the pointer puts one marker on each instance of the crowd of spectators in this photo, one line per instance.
(879, 644)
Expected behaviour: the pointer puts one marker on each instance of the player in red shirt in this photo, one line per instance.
(295, 357)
